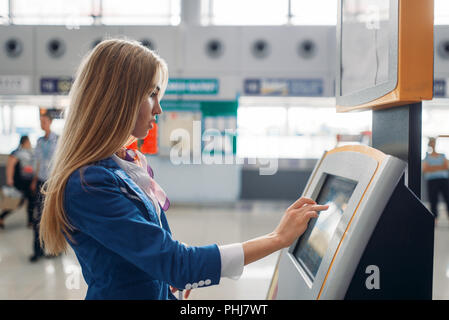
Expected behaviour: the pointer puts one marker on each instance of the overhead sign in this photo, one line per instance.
(56, 85)
(15, 84)
(192, 86)
(284, 87)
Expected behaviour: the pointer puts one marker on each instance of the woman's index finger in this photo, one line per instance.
(301, 202)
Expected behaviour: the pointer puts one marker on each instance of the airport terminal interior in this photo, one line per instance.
(250, 105)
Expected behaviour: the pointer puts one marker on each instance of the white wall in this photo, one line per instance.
(184, 48)
(196, 183)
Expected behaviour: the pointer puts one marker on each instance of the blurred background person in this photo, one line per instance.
(19, 174)
(435, 168)
(45, 148)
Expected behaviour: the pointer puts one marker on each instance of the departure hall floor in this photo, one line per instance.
(60, 277)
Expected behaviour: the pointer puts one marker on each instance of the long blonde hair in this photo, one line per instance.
(110, 85)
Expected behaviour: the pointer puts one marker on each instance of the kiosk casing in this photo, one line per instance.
(384, 53)
(370, 208)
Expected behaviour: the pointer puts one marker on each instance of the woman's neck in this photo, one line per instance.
(121, 153)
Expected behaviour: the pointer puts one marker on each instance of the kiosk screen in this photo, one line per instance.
(365, 44)
(310, 249)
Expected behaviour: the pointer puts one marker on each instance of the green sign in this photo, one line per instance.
(192, 86)
(207, 108)
(180, 105)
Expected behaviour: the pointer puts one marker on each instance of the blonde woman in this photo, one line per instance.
(101, 198)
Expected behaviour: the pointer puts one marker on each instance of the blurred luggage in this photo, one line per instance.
(10, 198)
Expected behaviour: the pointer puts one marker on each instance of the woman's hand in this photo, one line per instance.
(295, 220)
(186, 294)
(293, 224)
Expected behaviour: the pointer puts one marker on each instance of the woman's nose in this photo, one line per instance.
(157, 108)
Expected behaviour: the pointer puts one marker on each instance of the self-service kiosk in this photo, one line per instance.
(376, 239)
(368, 244)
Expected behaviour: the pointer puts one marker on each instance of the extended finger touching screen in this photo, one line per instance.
(310, 249)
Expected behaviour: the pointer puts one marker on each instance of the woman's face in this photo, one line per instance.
(149, 108)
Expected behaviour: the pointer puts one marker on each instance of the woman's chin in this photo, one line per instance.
(141, 136)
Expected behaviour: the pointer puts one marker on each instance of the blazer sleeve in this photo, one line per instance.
(99, 209)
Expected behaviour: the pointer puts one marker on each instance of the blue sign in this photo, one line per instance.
(252, 87)
(284, 87)
(306, 88)
(56, 85)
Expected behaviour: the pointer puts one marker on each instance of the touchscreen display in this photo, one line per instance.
(310, 249)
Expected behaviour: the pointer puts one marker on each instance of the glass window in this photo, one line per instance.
(296, 128)
(206, 12)
(16, 121)
(132, 12)
(435, 114)
(22, 119)
(316, 12)
(247, 12)
(85, 12)
(4, 8)
(441, 12)
(63, 12)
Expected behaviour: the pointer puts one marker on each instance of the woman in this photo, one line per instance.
(19, 174)
(101, 199)
(435, 167)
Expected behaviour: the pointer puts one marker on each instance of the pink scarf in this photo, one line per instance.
(139, 159)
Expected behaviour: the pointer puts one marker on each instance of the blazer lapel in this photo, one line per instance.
(134, 187)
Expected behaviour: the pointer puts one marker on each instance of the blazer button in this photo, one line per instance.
(207, 282)
(200, 283)
(188, 286)
(194, 285)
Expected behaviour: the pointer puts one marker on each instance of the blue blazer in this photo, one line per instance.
(125, 252)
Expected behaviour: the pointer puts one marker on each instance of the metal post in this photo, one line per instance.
(397, 131)
(10, 12)
(289, 13)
